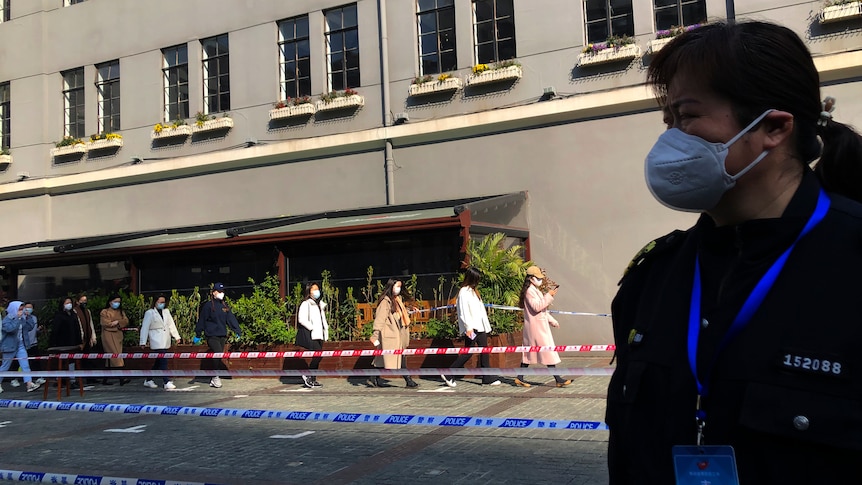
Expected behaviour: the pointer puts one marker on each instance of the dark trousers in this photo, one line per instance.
(481, 340)
(216, 344)
(314, 346)
(161, 364)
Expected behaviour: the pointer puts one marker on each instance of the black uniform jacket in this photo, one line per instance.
(786, 392)
(214, 319)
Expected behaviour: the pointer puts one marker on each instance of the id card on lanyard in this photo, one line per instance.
(684, 456)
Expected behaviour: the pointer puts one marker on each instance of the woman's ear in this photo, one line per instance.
(777, 128)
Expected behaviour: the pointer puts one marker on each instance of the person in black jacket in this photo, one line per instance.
(65, 328)
(214, 319)
(742, 332)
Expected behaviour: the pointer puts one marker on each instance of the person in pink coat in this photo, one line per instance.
(537, 325)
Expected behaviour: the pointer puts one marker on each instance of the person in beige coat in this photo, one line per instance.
(537, 325)
(391, 331)
(158, 327)
(113, 319)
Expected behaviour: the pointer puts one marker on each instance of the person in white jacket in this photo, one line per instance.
(158, 327)
(473, 323)
(312, 330)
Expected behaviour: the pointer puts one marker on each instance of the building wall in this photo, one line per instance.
(579, 156)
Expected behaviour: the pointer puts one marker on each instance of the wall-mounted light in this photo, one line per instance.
(401, 118)
(137, 160)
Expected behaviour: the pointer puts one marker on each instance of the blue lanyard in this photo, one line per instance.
(752, 303)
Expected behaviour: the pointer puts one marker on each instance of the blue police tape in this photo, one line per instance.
(532, 371)
(63, 478)
(362, 418)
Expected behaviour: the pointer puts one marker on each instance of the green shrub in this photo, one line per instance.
(439, 328)
(263, 316)
(185, 310)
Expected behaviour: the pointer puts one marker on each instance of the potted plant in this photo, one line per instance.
(5, 159)
(839, 10)
(615, 48)
(205, 122)
(338, 100)
(101, 141)
(291, 108)
(177, 128)
(69, 146)
(509, 70)
(430, 84)
(663, 37)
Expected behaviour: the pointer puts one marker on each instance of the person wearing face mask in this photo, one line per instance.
(113, 320)
(736, 339)
(537, 325)
(33, 344)
(214, 318)
(88, 335)
(14, 340)
(158, 327)
(66, 329)
(391, 331)
(313, 329)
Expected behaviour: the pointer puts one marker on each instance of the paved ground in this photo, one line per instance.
(241, 451)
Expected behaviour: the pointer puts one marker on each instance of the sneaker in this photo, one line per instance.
(307, 382)
(215, 382)
(15, 383)
(149, 383)
(495, 383)
(1, 389)
(519, 382)
(40, 381)
(32, 386)
(169, 386)
(449, 382)
(314, 383)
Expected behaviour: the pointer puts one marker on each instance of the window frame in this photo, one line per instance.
(679, 13)
(437, 34)
(221, 77)
(113, 85)
(299, 80)
(5, 14)
(168, 68)
(69, 3)
(608, 19)
(495, 19)
(329, 33)
(79, 109)
(5, 115)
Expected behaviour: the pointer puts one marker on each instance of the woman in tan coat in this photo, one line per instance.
(537, 325)
(391, 331)
(113, 319)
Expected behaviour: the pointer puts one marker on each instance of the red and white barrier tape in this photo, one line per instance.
(541, 371)
(333, 353)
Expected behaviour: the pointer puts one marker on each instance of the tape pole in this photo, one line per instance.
(333, 353)
(44, 477)
(532, 371)
(332, 417)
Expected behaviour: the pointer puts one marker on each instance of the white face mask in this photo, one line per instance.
(687, 173)
(537, 281)
(67, 306)
(396, 290)
(219, 296)
(315, 294)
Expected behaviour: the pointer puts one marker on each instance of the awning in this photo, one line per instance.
(501, 212)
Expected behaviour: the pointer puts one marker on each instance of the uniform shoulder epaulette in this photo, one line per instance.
(654, 247)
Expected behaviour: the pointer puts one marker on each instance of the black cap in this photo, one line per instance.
(218, 287)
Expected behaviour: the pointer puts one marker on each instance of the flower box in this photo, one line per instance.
(172, 132)
(223, 123)
(305, 109)
(610, 54)
(836, 13)
(345, 102)
(495, 76)
(657, 44)
(5, 162)
(77, 149)
(105, 144)
(435, 86)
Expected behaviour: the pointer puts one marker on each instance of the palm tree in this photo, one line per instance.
(503, 269)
